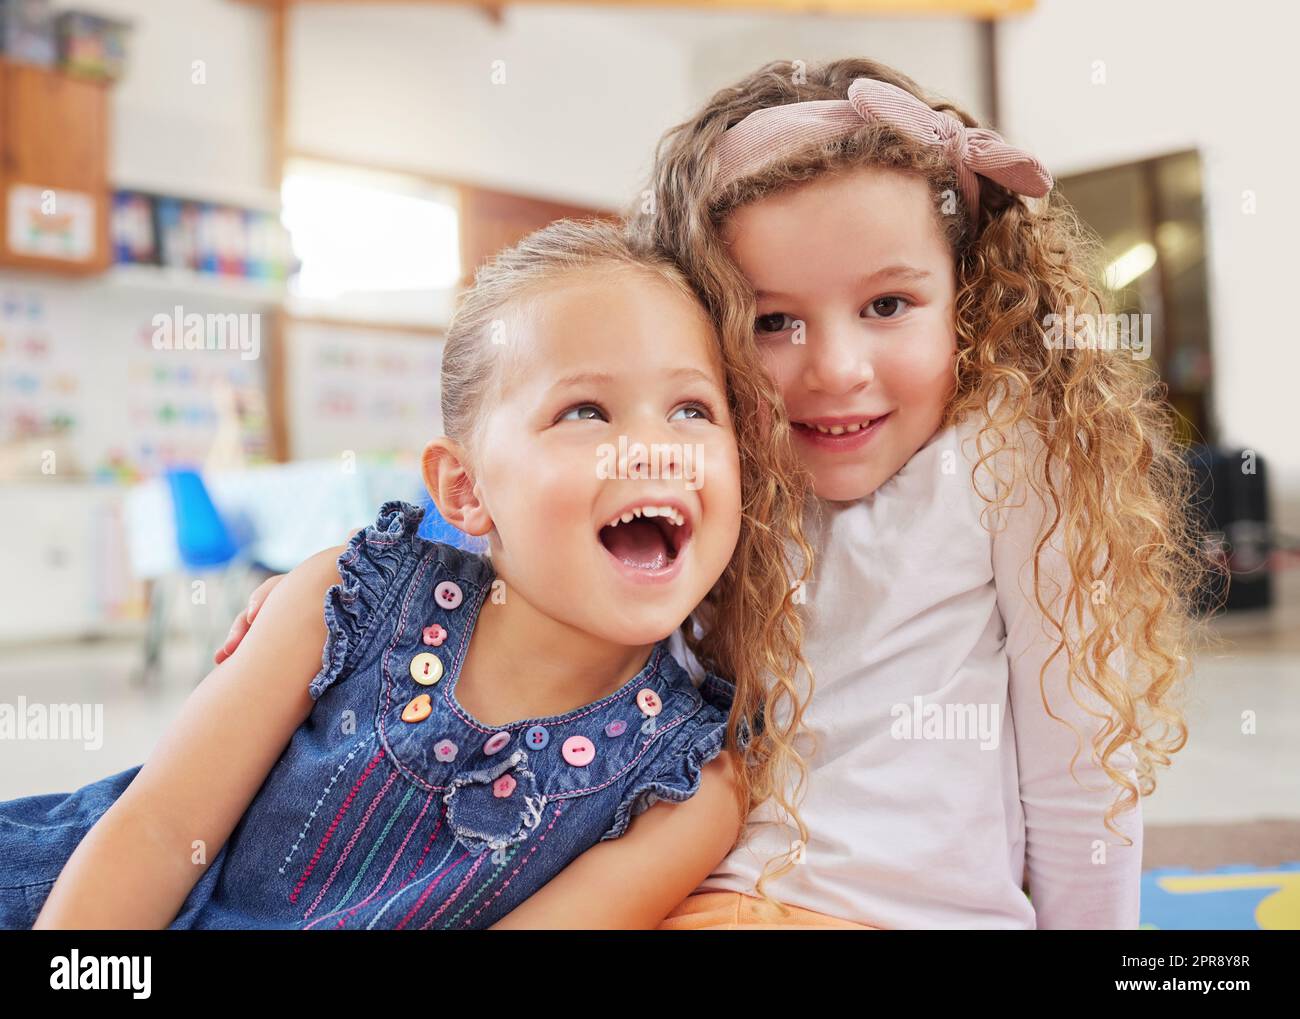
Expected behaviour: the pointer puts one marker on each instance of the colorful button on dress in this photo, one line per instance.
(373, 820)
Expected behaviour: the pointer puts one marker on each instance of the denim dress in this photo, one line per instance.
(393, 806)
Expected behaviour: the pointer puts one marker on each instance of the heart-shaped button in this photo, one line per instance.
(418, 710)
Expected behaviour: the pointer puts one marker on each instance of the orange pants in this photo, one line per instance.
(735, 911)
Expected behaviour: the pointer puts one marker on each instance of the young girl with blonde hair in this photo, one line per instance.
(504, 740)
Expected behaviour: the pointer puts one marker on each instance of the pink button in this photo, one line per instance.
(616, 728)
(503, 786)
(447, 595)
(495, 743)
(434, 635)
(578, 751)
(648, 701)
(445, 751)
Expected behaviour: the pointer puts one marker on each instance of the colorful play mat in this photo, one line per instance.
(1226, 898)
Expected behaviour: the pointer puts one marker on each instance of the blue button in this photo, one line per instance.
(536, 738)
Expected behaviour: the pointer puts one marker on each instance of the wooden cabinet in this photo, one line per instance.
(492, 221)
(54, 194)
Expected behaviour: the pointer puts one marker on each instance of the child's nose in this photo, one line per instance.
(838, 361)
(655, 443)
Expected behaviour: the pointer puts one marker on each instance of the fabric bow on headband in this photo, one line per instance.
(776, 131)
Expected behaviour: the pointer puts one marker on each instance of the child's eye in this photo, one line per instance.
(702, 411)
(888, 307)
(774, 322)
(578, 409)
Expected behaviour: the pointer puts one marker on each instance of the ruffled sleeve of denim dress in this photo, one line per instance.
(394, 807)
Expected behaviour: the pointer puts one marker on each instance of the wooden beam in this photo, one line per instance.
(984, 9)
(277, 409)
(279, 103)
(992, 96)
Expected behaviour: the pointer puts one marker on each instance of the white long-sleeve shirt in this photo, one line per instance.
(939, 783)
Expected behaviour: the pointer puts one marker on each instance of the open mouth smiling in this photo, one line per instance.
(646, 538)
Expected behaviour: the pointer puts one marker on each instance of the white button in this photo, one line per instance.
(447, 595)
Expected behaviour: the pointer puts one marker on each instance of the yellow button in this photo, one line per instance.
(426, 668)
(418, 710)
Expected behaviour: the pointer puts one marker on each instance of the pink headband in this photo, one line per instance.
(776, 131)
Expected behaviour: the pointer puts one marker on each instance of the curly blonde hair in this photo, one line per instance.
(1113, 479)
(753, 629)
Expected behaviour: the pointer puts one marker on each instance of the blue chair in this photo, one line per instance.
(202, 537)
(206, 543)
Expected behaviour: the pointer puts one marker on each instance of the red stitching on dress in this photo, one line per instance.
(351, 843)
(429, 845)
(459, 888)
(424, 896)
(540, 839)
(329, 833)
(391, 865)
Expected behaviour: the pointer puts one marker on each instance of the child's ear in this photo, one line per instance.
(447, 477)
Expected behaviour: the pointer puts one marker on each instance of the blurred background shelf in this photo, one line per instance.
(188, 284)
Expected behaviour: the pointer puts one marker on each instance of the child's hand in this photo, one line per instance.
(245, 619)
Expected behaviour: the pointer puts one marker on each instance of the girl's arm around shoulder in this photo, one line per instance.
(135, 868)
(634, 881)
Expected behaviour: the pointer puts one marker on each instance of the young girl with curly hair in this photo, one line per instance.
(998, 618)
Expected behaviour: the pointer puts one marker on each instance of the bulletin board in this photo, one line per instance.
(79, 368)
(368, 392)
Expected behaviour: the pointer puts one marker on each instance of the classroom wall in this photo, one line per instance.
(945, 55)
(370, 84)
(1221, 82)
(581, 103)
(173, 134)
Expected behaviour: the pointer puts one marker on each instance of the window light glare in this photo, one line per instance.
(352, 237)
(1130, 265)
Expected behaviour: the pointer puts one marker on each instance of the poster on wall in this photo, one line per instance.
(361, 392)
(80, 373)
(50, 223)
